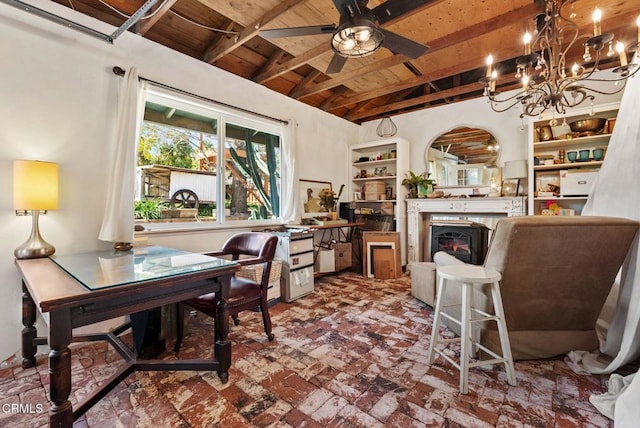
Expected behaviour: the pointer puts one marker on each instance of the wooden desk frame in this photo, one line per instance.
(69, 305)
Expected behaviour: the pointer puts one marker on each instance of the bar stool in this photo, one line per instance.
(468, 276)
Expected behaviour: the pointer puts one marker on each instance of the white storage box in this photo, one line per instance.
(423, 282)
(325, 260)
(298, 284)
(577, 182)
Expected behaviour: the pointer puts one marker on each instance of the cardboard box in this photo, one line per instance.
(577, 182)
(325, 260)
(342, 255)
(374, 196)
(374, 187)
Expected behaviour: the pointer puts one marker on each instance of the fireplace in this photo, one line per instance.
(467, 242)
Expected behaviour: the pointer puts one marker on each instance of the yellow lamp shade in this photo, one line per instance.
(35, 185)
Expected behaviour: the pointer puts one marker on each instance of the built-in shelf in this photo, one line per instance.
(572, 178)
(376, 185)
(566, 198)
(390, 161)
(382, 177)
(566, 165)
(579, 141)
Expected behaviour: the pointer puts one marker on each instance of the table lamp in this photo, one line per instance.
(515, 169)
(35, 189)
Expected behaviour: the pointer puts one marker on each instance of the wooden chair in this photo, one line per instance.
(247, 248)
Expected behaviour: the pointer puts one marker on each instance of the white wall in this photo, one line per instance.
(59, 97)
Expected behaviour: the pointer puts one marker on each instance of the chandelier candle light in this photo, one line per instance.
(548, 82)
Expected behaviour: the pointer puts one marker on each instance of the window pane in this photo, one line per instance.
(177, 165)
(252, 173)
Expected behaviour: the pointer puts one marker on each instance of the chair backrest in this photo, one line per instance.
(558, 271)
(255, 244)
(259, 245)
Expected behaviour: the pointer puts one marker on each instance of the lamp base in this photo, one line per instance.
(35, 247)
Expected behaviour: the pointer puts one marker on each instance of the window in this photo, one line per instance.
(200, 164)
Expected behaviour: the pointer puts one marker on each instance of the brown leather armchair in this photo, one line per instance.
(247, 248)
(556, 275)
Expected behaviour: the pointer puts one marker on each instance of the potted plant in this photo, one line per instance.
(418, 184)
(328, 200)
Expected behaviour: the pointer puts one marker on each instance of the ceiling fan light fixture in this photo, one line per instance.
(357, 38)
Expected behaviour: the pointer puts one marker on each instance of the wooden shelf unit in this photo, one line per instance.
(541, 175)
(396, 167)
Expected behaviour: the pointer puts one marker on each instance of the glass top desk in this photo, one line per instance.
(82, 289)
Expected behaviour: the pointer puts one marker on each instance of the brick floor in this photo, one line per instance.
(352, 354)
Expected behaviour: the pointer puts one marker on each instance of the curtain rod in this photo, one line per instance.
(120, 72)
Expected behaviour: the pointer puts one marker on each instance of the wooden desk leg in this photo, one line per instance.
(222, 347)
(29, 331)
(61, 412)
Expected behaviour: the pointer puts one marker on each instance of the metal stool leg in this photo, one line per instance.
(435, 331)
(504, 335)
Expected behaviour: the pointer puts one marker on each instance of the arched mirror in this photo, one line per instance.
(465, 157)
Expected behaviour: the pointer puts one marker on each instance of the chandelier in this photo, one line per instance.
(549, 82)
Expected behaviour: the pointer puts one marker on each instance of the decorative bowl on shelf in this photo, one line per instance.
(584, 155)
(572, 156)
(589, 126)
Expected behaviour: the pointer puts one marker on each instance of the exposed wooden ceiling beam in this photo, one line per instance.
(215, 53)
(340, 91)
(415, 101)
(145, 25)
(447, 41)
(271, 63)
(346, 77)
(314, 74)
(293, 63)
(504, 54)
(326, 47)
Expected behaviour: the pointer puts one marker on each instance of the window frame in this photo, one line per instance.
(223, 116)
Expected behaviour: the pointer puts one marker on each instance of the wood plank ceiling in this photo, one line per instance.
(460, 34)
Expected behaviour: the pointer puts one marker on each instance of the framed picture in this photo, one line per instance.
(510, 187)
(357, 196)
(380, 171)
(309, 199)
(388, 193)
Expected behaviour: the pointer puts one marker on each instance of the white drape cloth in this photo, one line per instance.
(616, 193)
(118, 219)
(288, 210)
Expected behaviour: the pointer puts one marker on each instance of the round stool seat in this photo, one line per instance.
(469, 274)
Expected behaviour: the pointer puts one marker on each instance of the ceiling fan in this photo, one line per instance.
(359, 32)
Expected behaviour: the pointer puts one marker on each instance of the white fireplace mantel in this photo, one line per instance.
(418, 209)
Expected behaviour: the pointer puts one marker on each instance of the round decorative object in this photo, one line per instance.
(386, 128)
(592, 125)
(184, 198)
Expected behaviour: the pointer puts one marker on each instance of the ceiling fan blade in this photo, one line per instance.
(343, 6)
(336, 64)
(401, 45)
(297, 31)
(392, 9)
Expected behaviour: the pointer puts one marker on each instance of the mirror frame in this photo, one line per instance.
(457, 126)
